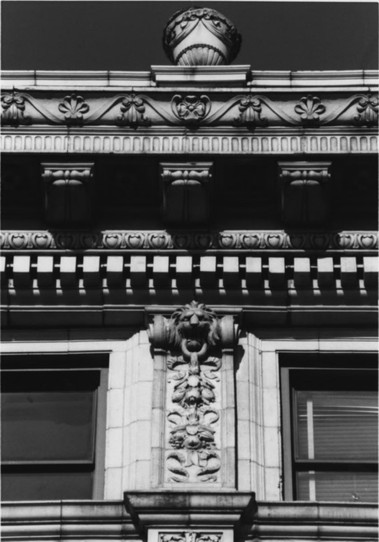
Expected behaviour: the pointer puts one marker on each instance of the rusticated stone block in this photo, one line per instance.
(254, 272)
(91, 271)
(230, 272)
(68, 271)
(370, 271)
(325, 273)
(183, 271)
(208, 268)
(161, 271)
(115, 269)
(348, 272)
(276, 273)
(138, 271)
(3, 269)
(22, 276)
(302, 273)
(45, 271)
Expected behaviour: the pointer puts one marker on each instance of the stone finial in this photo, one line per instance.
(200, 37)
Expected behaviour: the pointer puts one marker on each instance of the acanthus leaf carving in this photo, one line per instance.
(367, 108)
(74, 108)
(250, 108)
(191, 109)
(13, 108)
(133, 112)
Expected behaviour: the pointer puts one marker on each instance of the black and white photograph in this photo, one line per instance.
(189, 271)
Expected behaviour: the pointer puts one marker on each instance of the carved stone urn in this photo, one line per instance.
(200, 37)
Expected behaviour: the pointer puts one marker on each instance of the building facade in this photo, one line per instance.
(189, 289)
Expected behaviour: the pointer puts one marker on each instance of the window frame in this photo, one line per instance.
(294, 366)
(75, 363)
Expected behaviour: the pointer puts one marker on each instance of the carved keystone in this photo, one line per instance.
(67, 193)
(193, 352)
(305, 192)
(186, 193)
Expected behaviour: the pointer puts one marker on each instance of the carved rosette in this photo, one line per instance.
(194, 340)
(191, 109)
(200, 36)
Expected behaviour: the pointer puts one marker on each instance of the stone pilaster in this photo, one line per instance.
(193, 400)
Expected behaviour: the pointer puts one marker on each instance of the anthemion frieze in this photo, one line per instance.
(217, 109)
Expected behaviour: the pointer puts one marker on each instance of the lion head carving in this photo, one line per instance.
(194, 328)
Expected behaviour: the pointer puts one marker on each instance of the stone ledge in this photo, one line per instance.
(259, 78)
(270, 521)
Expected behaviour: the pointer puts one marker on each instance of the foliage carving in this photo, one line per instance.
(193, 336)
(310, 108)
(191, 109)
(133, 112)
(73, 108)
(13, 107)
(367, 109)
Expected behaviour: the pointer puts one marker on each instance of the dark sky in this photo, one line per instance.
(126, 35)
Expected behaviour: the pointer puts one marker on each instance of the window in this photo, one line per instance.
(53, 431)
(330, 427)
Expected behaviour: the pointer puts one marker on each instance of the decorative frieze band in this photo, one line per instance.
(184, 240)
(269, 141)
(189, 109)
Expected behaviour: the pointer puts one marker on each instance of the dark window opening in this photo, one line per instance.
(330, 428)
(52, 432)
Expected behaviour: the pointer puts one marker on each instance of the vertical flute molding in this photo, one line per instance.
(193, 438)
(157, 336)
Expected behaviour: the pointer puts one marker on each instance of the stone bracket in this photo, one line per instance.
(185, 189)
(305, 193)
(67, 193)
(216, 516)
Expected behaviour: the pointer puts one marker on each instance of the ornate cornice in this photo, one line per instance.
(193, 109)
(250, 240)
